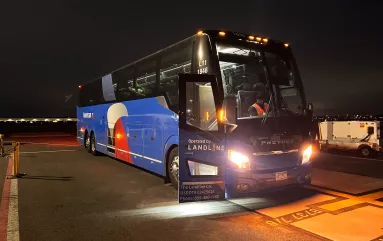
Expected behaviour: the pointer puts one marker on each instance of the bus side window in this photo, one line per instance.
(123, 83)
(146, 78)
(174, 61)
(91, 94)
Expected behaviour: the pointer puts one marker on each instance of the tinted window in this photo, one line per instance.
(175, 60)
(123, 83)
(146, 77)
(91, 94)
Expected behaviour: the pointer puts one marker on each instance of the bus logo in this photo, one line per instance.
(277, 142)
(87, 115)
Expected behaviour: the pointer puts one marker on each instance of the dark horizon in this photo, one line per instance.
(49, 49)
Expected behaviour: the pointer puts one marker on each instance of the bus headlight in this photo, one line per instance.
(239, 159)
(307, 154)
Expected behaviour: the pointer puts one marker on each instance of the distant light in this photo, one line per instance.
(265, 40)
(57, 119)
(222, 34)
(251, 37)
(199, 33)
(258, 39)
(10, 120)
(34, 120)
(22, 120)
(79, 86)
(286, 45)
(46, 119)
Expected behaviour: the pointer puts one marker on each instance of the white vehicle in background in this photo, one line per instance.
(362, 136)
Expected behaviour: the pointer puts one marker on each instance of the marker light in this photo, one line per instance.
(118, 135)
(220, 115)
(207, 115)
(251, 37)
(222, 34)
(239, 159)
(82, 130)
(258, 39)
(286, 45)
(79, 86)
(307, 154)
(265, 40)
(199, 33)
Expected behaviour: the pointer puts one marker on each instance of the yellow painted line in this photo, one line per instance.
(374, 196)
(339, 194)
(340, 204)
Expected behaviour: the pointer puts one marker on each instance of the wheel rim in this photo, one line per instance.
(174, 167)
(365, 152)
(87, 141)
(93, 145)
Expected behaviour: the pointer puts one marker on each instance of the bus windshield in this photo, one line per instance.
(244, 76)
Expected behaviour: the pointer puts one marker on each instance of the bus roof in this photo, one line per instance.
(228, 35)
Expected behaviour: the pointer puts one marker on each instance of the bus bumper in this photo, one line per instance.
(241, 183)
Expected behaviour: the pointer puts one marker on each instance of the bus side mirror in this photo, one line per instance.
(229, 108)
(310, 110)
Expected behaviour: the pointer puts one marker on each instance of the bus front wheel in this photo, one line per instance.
(173, 167)
(93, 145)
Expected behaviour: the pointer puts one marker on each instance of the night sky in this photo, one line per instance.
(48, 48)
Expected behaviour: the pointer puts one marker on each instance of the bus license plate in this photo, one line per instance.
(279, 176)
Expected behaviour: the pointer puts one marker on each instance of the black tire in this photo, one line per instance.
(93, 145)
(366, 151)
(173, 167)
(87, 141)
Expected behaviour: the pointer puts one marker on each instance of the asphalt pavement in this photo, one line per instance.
(69, 194)
(349, 162)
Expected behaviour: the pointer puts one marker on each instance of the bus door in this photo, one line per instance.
(201, 150)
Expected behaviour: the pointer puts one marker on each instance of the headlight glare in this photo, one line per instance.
(307, 154)
(239, 159)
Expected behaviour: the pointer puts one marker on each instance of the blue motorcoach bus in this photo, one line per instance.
(219, 107)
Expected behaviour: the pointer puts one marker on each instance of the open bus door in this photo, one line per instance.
(201, 151)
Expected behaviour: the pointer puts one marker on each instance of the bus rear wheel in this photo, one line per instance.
(173, 167)
(87, 142)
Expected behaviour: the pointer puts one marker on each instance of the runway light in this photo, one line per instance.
(222, 34)
(258, 39)
(251, 37)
